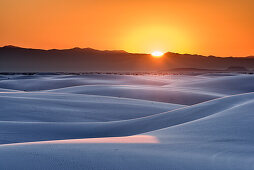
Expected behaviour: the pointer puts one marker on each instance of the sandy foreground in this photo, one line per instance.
(107, 122)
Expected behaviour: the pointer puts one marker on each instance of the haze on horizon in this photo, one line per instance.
(207, 27)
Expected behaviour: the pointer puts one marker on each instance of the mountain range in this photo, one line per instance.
(17, 59)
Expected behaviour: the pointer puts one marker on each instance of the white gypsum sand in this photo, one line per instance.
(127, 122)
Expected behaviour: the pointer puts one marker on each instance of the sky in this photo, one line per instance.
(206, 27)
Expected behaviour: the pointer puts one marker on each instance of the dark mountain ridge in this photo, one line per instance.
(17, 59)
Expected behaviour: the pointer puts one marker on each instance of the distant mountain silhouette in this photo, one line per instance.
(236, 68)
(191, 70)
(16, 59)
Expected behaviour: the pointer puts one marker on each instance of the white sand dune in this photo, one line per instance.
(47, 82)
(66, 128)
(58, 107)
(225, 84)
(7, 90)
(152, 93)
(41, 130)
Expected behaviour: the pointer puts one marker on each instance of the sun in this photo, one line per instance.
(157, 54)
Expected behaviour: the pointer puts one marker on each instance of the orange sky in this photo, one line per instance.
(216, 27)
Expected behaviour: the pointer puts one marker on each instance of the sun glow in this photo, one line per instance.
(157, 54)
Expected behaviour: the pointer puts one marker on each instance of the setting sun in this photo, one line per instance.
(157, 54)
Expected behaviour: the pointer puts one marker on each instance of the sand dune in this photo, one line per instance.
(48, 82)
(63, 127)
(58, 107)
(169, 95)
(48, 130)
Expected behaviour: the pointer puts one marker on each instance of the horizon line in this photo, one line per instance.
(123, 51)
